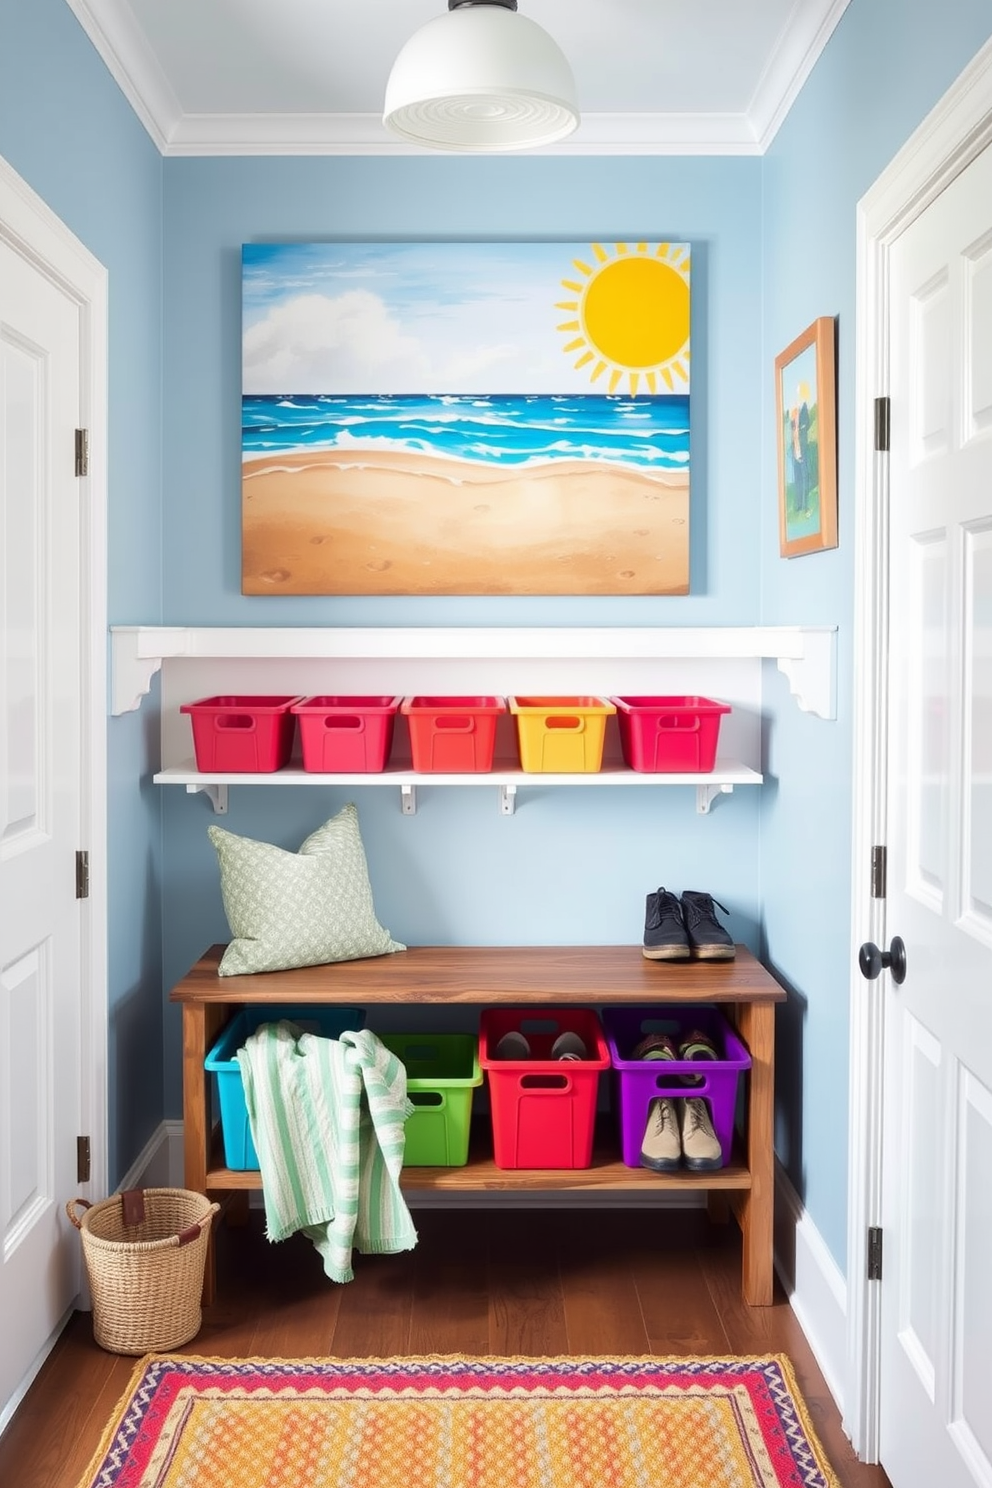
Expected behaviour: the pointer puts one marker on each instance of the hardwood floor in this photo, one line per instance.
(532, 1282)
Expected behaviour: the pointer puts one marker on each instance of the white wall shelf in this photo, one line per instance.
(508, 782)
(805, 654)
(720, 662)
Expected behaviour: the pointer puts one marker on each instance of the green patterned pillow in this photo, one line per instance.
(305, 908)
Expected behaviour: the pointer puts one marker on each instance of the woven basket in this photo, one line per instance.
(145, 1252)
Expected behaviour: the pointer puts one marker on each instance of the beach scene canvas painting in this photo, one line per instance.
(465, 418)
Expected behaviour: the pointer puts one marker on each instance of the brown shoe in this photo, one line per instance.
(654, 1046)
(696, 1045)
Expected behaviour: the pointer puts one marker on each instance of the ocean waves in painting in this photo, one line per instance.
(643, 432)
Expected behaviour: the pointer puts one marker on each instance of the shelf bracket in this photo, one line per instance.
(216, 794)
(707, 794)
(507, 799)
(137, 652)
(812, 676)
(408, 800)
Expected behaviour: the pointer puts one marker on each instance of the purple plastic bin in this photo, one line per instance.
(638, 1081)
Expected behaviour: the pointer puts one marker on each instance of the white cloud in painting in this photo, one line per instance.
(313, 344)
(355, 342)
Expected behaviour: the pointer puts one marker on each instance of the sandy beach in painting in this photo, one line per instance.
(330, 522)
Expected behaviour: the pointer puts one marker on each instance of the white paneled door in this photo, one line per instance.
(936, 1381)
(40, 793)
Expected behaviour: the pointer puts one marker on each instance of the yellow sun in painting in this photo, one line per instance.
(631, 315)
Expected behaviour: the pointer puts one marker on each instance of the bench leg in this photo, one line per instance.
(756, 1209)
(196, 1118)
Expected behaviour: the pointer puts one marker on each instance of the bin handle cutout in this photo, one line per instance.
(426, 1097)
(545, 1082)
(671, 1081)
(565, 721)
(539, 1025)
(234, 721)
(455, 724)
(675, 721)
(421, 1052)
(659, 1025)
(344, 721)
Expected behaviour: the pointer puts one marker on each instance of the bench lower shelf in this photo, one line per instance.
(480, 1173)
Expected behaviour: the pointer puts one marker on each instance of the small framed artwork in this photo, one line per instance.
(806, 414)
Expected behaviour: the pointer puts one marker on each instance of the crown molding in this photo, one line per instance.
(790, 64)
(365, 134)
(120, 42)
(111, 27)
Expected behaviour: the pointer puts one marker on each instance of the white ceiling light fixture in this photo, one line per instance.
(481, 78)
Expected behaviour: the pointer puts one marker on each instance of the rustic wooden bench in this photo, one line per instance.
(519, 975)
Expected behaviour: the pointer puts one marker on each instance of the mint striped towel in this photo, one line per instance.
(327, 1119)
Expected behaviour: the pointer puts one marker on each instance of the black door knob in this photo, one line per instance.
(873, 961)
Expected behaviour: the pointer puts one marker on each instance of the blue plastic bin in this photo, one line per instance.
(222, 1063)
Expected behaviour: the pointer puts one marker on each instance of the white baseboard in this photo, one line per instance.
(10, 1407)
(814, 1284)
(159, 1164)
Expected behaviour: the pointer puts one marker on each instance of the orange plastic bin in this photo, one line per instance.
(455, 735)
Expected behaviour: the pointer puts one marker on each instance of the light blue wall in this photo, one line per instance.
(213, 206)
(66, 129)
(574, 865)
(774, 245)
(887, 64)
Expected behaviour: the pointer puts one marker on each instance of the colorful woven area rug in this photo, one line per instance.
(451, 1422)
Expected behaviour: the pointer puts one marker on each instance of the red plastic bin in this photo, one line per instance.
(638, 1081)
(543, 1109)
(341, 734)
(452, 734)
(669, 734)
(242, 734)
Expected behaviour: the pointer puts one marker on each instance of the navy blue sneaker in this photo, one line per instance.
(708, 941)
(665, 936)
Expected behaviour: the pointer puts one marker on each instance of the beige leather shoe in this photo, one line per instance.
(700, 1147)
(661, 1149)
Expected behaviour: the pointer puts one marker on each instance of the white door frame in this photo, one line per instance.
(951, 136)
(34, 232)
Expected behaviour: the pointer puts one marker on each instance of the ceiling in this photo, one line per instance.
(307, 77)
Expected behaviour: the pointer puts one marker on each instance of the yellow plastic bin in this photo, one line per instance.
(562, 735)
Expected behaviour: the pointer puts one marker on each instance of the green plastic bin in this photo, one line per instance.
(442, 1070)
